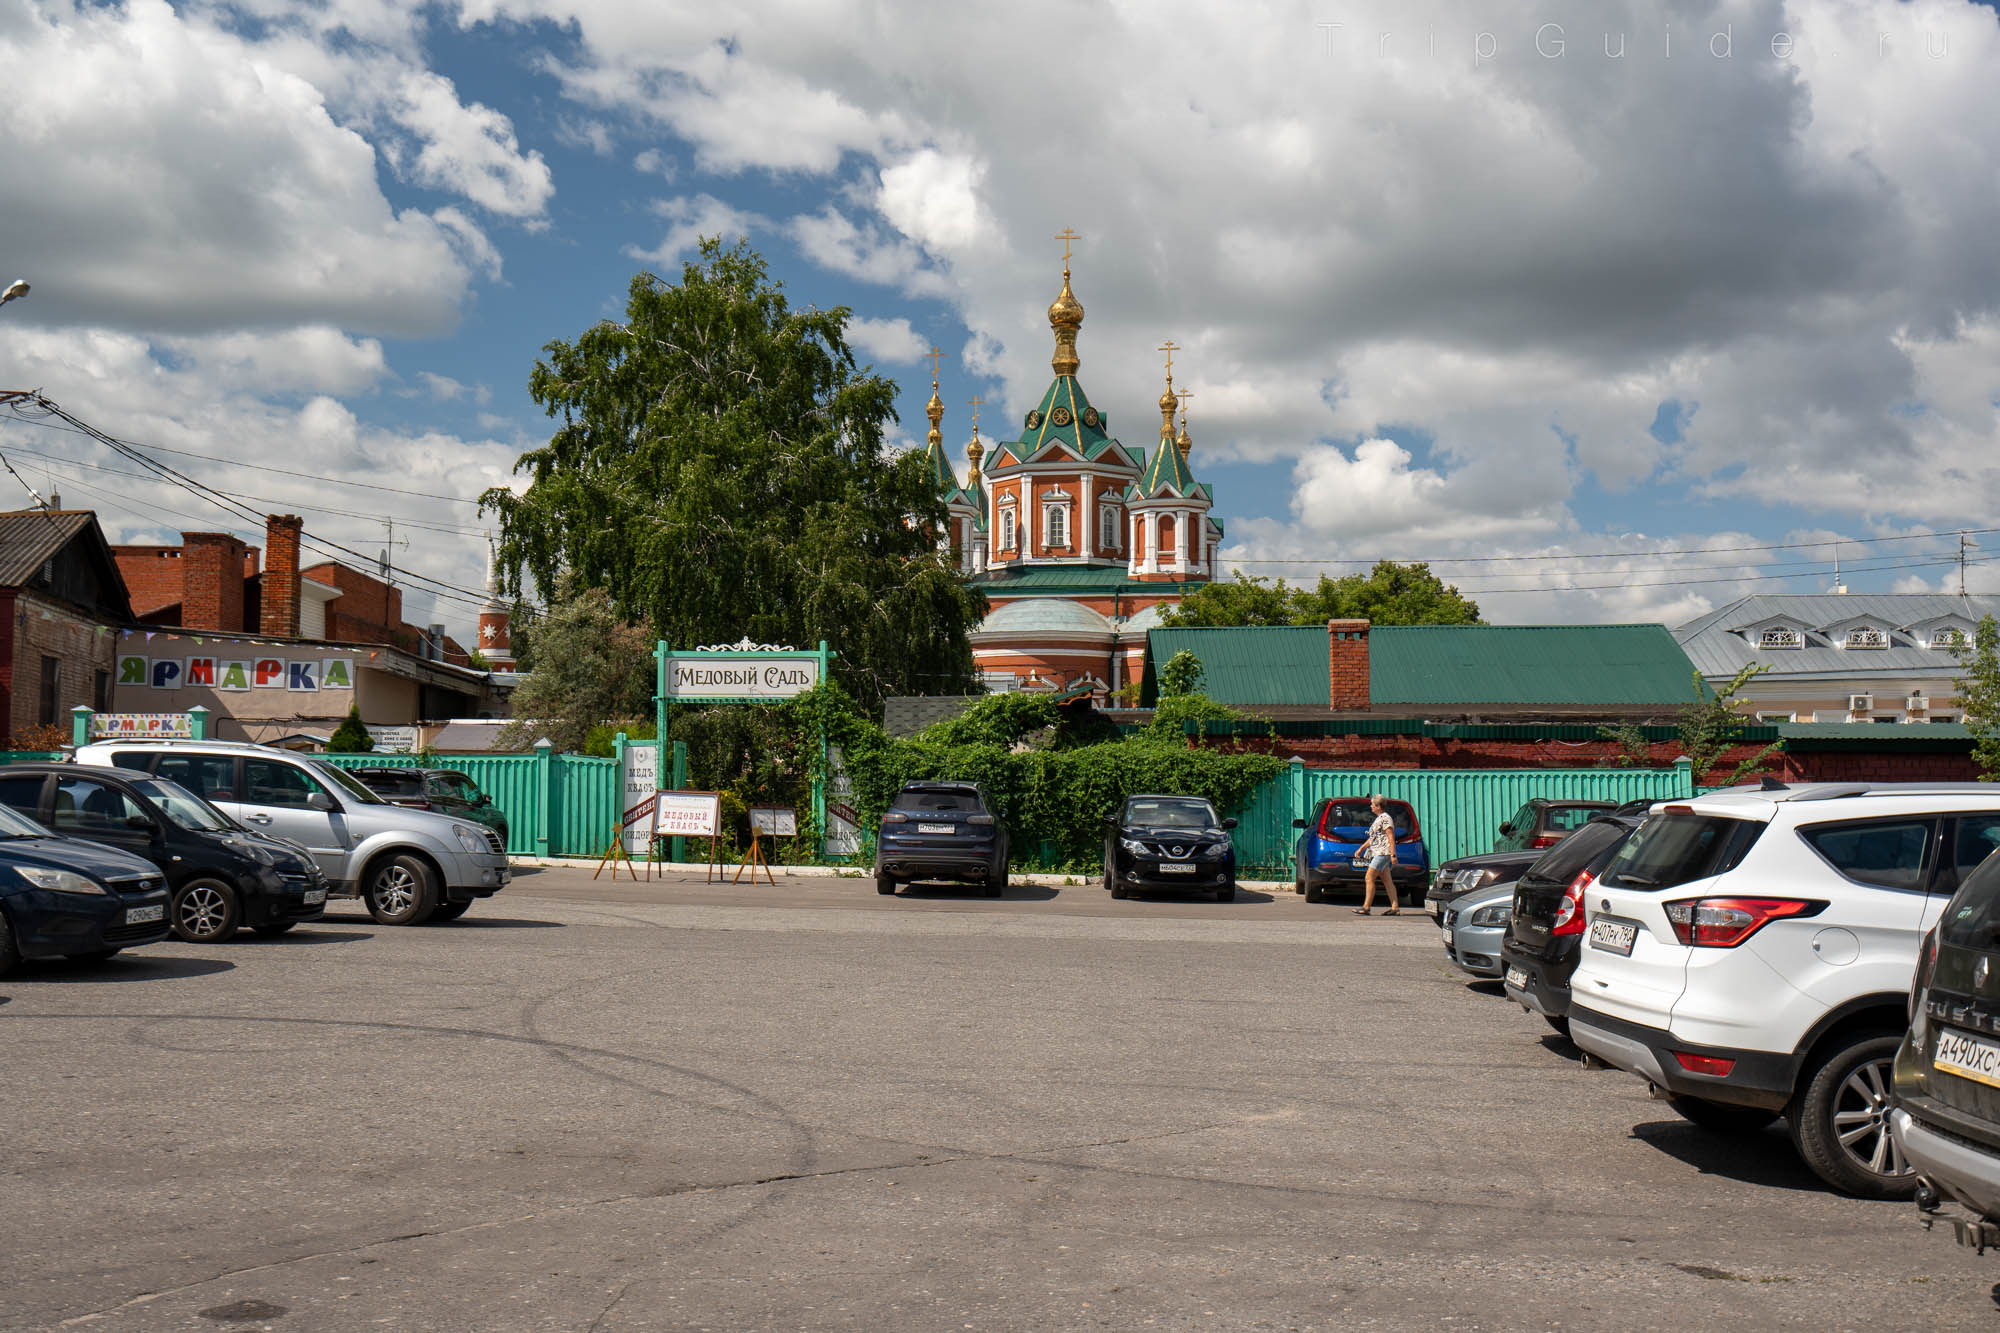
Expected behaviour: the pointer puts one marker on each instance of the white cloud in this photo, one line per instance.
(592, 135)
(891, 340)
(653, 162)
(468, 150)
(310, 360)
(831, 240)
(934, 200)
(692, 218)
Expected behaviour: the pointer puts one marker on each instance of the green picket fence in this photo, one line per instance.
(556, 804)
(1460, 811)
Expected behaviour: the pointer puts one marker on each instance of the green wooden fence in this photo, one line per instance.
(556, 804)
(1460, 812)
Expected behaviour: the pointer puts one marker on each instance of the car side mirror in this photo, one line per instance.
(1298, 823)
(139, 822)
(1507, 829)
(1229, 823)
(320, 801)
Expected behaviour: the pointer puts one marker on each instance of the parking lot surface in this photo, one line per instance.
(676, 1105)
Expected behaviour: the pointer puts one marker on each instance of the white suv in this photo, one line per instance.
(1749, 954)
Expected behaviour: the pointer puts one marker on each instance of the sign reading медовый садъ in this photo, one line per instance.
(300, 675)
(741, 676)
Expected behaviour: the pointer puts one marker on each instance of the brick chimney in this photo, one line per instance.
(280, 612)
(1347, 664)
(212, 581)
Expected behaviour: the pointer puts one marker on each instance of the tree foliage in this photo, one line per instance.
(1712, 724)
(1183, 674)
(718, 467)
(1389, 594)
(1979, 695)
(591, 667)
(351, 736)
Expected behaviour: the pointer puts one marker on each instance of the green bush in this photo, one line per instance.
(351, 736)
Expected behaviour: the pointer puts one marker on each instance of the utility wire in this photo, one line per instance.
(1628, 555)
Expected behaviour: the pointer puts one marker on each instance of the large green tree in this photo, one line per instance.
(1389, 594)
(718, 467)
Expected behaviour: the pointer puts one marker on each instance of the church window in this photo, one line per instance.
(1055, 519)
(1107, 523)
(1007, 528)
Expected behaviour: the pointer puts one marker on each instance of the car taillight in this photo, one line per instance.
(1569, 914)
(1724, 923)
(1545, 840)
(1926, 969)
(1716, 1065)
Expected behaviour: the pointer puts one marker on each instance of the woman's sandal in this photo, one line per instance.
(1394, 911)
(1362, 911)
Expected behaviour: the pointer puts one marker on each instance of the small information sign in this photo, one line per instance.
(147, 726)
(688, 814)
(774, 821)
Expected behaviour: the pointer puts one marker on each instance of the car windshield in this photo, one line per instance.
(14, 824)
(395, 782)
(184, 807)
(455, 784)
(932, 800)
(1359, 814)
(1568, 818)
(1171, 814)
(344, 780)
(1672, 849)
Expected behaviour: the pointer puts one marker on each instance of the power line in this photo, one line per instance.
(1622, 555)
(18, 400)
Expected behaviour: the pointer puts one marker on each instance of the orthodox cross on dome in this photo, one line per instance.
(1065, 315)
(934, 356)
(973, 403)
(1066, 236)
(1183, 440)
(934, 438)
(1167, 399)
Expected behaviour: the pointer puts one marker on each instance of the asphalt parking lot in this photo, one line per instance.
(674, 1105)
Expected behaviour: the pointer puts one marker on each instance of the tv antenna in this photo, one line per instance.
(390, 542)
(1965, 546)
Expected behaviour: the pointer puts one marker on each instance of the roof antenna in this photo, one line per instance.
(1838, 586)
(1965, 544)
(1770, 783)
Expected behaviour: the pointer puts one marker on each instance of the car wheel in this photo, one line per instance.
(10, 953)
(1314, 892)
(451, 911)
(1118, 889)
(996, 885)
(92, 956)
(885, 884)
(1719, 1117)
(273, 929)
(204, 910)
(400, 892)
(1840, 1122)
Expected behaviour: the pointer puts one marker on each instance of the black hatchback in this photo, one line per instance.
(942, 830)
(1545, 933)
(1169, 842)
(219, 874)
(61, 898)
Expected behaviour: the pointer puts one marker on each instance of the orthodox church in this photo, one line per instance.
(1077, 540)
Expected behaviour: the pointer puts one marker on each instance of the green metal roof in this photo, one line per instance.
(1070, 581)
(1246, 667)
(940, 467)
(1559, 666)
(1922, 737)
(1167, 471)
(1066, 417)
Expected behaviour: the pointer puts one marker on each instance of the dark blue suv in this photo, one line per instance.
(942, 830)
(63, 898)
(1331, 838)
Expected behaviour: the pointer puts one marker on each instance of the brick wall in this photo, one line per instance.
(1347, 664)
(46, 629)
(212, 581)
(367, 610)
(278, 603)
(152, 575)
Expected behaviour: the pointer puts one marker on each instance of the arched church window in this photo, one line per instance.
(1107, 523)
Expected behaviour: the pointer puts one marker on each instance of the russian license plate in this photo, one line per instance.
(1613, 936)
(936, 828)
(1517, 978)
(314, 897)
(139, 915)
(1176, 868)
(1968, 1057)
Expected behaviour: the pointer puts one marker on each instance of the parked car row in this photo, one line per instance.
(1826, 954)
(136, 840)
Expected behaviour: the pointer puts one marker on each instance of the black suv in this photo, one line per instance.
(1543, 823)
(1947, 1073)
(1545, 933)
(219, 874)
(1169, 842)
(445, 790)
(942, 830)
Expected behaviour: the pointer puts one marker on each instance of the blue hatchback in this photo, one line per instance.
(65, 898)
(1332, 837)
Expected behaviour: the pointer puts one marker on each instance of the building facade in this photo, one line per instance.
(61, 601)
(1077, 540)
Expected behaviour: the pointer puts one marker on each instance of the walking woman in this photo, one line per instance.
(1380, 854)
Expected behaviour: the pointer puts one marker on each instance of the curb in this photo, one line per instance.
(1046, 879)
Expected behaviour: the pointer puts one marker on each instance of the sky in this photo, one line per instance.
(1613, 311)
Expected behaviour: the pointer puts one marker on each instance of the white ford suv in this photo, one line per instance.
(1749, 954)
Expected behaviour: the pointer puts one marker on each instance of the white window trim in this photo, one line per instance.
(1798, 637)
(1010, 529)
(1055, 519)
(1848, 644)
(1107, 519)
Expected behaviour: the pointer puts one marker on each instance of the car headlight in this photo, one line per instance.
(260, 854)
(1475, 879)
(469, 840)
(60, 881)
(1134, 846)
(1497, 915)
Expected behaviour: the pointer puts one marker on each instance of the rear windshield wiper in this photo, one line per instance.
(1643, 881)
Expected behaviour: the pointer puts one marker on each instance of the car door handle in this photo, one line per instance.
(258, 819)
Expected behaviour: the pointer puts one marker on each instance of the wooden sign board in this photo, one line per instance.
(688, 814)
(774, 821)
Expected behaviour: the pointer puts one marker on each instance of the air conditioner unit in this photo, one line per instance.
(1918, 703)
(1860, 703)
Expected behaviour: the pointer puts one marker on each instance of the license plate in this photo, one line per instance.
(315, 897)
(1968, 1057)
(1176, 869)
(139, 915)
(1613, 936)
(936, 828)
(1446, 933)
(1517, 978)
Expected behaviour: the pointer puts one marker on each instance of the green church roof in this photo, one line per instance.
(1065, 416)
(1167, 471)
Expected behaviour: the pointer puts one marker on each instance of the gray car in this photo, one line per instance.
(409, 866)
(1475, 925)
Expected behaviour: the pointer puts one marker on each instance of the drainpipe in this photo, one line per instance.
(1111, 667)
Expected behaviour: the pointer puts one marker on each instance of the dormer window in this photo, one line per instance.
(1863, 638)
(1780, 637)
(1945, 638)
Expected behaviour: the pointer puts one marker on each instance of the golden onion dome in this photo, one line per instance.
(1065, 312)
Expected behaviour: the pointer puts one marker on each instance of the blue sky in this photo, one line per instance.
(1452, 282)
